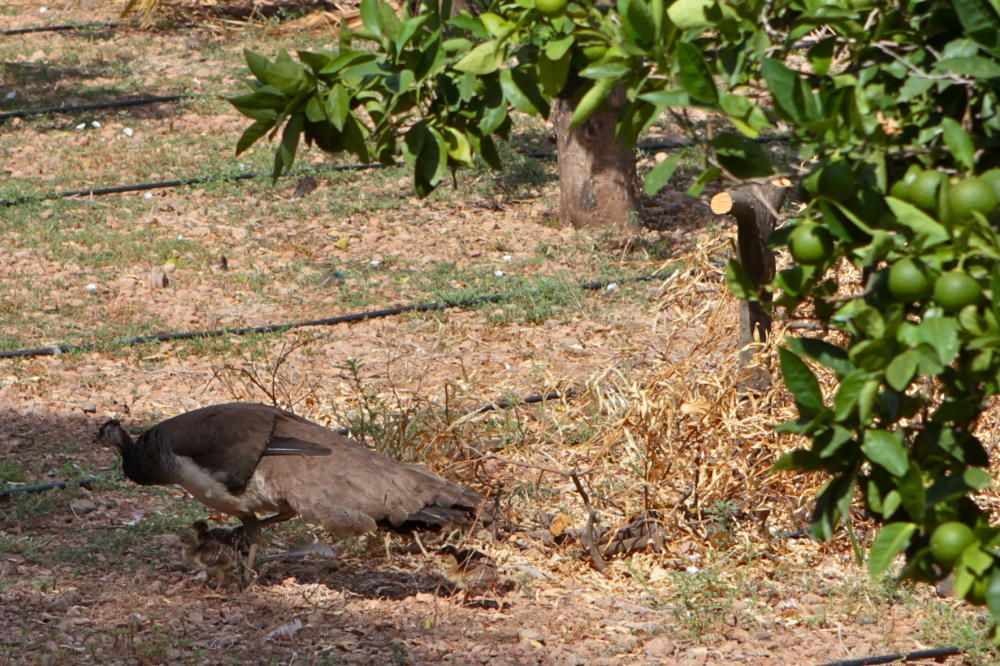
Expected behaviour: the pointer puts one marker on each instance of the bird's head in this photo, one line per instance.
(111, 433)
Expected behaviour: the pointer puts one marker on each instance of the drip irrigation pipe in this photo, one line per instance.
(96, 106)
(936, 653)
(504, 403)
(365, 315)
(42, 487)
(197, 180)
(61, 28)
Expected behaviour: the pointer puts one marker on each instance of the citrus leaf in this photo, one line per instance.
(802, 383)
(886, 449)
(695, 76)
(890, 542)
(958, 140)
(659, 175)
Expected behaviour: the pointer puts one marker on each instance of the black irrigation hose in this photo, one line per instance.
(42, 487)
(197, 180)
(61, 28)
(365, 315)
(936, 653)
(96, 106)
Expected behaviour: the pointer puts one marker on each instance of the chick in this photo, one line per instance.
(218, 551)
(471, 571)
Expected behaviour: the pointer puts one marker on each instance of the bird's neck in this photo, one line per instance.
(142, 461)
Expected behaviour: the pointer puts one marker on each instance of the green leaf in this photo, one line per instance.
(901, 370)
(591, 101)
(250, 136)
(371, 17)
(798, 460)
(458, 146)
(557, 48)
(338, 106)
(553, 73)
(928, 230)
(688, 14)
(659, 175)
(694, 74)
(975, 66)
(496, 25)
(257, 64)
(980, 21)
(740, 284)
(993, 592)
(606, 70)
(941, 333)
(484, 59)
(802, 383)
(521, 90)
(959, 142)
(789, 93)
(890, 542)
(848, 393)
(742, 157)
(667, 98)
(638, 21)
(286, 75)
(829, 354)
(886, 449)
(284, 157)
(821, 55)
(832, 505)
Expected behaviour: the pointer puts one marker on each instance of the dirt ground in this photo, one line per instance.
(95, 574)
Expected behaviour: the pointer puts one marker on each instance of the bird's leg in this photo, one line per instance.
(252, 527)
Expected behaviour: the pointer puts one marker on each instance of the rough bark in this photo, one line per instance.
(598, 185)
(754, 208)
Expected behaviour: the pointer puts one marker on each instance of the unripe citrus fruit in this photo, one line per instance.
(993, 178)
(924, 189)
(832, 180)
(972, 194)
(949, 540)
(594, 52)
(810, 244)
(909, 280)
(955, 289)
(551, 7)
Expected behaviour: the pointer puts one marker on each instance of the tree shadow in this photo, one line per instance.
(369, 579)
(39, 85)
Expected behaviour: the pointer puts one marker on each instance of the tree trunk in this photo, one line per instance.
(754, 207)
(598, 185)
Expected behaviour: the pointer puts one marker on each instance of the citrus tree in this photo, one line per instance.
(894, 109)
(438, 91)
(891, 114)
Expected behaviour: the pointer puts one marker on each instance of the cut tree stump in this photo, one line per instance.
(755, 208)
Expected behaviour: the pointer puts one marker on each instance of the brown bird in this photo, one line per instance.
(219, 551)
(265, 465)
(472, 571)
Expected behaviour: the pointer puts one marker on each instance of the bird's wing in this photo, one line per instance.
(355, 489)
(228, 441)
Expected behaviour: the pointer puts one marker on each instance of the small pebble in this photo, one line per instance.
(692, 569)
(42, 10)
(11, 95)
(508, 258)
(128, 131)
(91, 287)
(95, 124)
(82, 126)
(612, 286)
(498, 273)
(374, 263)
(147, 195)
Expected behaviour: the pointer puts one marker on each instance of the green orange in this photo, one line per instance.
(924, 189)
(972, 195)
(551, 7)
(949, 540)
(909, 280)
(956, 289)
(810, 244)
